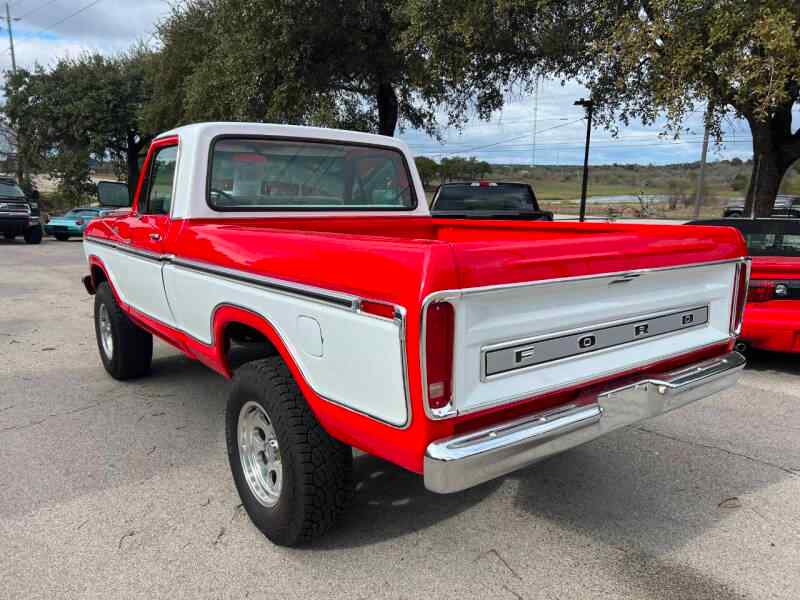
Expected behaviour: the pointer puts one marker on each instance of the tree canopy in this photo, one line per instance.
(644, 59)
(379, 65)
(81, 108)
(351, 64)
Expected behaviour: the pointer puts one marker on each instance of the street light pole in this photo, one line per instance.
(589, 106)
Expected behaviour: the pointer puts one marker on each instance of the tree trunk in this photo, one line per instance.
(775, 148)
(132, 160)
(387, 108)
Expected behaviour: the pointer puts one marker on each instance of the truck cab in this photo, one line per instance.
(459, 350)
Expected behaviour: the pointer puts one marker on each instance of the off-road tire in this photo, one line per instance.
(132, 351)
(317, 484)
(33, 235)
(61, 237)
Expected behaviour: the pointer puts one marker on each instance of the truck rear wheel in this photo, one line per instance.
(125, 348)
(293, 478)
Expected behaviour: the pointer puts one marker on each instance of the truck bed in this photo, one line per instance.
(489, 252)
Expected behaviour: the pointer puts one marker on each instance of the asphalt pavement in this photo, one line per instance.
(121, 490)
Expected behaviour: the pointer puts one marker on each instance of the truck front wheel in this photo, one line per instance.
(293, 478)
(125, 348)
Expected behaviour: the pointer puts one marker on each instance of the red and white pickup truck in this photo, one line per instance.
(461, 350)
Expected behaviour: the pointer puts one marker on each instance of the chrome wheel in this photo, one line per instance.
(260, 454)
(106, 334)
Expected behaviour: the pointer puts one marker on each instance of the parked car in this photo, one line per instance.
(785, 206)
(772, 314)
(487, 200)
(19, 214)
(72, 223)
(458, 350)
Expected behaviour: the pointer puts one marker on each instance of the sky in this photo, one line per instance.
(49, 29)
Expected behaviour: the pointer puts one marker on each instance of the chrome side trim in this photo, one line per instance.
(454, 294)
(747, 264)
(347, 301)
(617, 274)
(459, 462)
(342, 299)
(128, 249)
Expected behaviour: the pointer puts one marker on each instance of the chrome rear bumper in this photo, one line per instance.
(462, 461)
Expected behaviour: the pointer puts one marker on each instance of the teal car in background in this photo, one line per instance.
(72, 223)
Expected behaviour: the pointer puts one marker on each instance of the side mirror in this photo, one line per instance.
(35, 195)
(113, 194)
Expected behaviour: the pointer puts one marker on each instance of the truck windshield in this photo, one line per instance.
(10, 191)
(268, 174)
(485, 196)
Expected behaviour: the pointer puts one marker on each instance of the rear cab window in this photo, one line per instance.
(485, 196)
(252, 174)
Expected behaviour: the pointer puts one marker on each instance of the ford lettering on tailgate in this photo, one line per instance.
(510, 356)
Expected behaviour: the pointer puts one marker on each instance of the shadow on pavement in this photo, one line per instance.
(762, 360)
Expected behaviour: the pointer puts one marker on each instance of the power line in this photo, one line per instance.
(526, 147)
(508, 140)
(38, 8)
(69, 16)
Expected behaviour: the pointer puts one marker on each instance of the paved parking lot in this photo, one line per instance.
(122, 490)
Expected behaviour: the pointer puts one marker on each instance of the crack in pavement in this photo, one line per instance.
(789, 470)
(71, 411)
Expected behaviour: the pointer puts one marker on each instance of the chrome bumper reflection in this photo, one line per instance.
(459, 462)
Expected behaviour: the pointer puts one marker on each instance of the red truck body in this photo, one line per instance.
(520, 343)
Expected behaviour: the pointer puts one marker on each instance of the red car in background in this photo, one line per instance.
(772, 313)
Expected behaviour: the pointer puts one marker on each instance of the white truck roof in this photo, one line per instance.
(189, 193)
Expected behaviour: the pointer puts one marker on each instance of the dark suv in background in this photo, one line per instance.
(487, 200)
(19, 215)
(785, 206)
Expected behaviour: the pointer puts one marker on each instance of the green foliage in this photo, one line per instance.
(427, 168)
(461, 168)
(642, 59)
(351, 64)
(81, 108)
(740, 182)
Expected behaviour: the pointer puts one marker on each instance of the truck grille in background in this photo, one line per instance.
(14, 209)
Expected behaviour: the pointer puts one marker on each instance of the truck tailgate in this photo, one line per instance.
(539, 315)
(519, 341)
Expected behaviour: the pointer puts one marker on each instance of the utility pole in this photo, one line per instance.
(701, 181)
(589, 106)
(535, 122)
(11, 40)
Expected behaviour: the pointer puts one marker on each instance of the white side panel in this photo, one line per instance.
(137, 280)
(550, 309)
(361, 360)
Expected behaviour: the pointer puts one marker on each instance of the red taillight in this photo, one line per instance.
(378, 308)
(740, 296)
(439, 322)
(760, 291)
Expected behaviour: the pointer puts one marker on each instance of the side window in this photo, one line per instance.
(159, 182)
